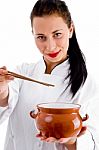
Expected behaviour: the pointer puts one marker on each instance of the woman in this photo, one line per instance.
(62, 64)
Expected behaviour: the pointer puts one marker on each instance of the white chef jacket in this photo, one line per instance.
(25, 95)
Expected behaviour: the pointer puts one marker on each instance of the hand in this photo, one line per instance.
(4, 77)
(67, 141)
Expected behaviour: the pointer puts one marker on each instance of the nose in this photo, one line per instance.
(51, 44)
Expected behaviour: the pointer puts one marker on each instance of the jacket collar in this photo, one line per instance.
(60, 70)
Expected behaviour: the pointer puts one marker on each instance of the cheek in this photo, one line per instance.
(64, 43)
(39, 46)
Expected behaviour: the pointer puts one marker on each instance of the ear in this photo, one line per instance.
(71, 29)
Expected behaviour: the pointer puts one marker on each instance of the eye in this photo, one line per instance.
(58, 35)
(41, 38)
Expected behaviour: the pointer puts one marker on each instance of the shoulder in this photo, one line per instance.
(90, 82)
(90, 88)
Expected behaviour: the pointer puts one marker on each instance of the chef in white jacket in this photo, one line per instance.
(64, 66)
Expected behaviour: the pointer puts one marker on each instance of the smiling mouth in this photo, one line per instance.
(54, 54)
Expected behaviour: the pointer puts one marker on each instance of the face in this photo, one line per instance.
(52, 35)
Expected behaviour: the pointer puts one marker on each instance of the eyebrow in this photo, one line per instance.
(52, 32)
(57, 31)
(39, 34)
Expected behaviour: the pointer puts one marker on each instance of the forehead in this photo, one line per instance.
(48, 23)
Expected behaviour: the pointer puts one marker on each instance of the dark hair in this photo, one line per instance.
(77, 70)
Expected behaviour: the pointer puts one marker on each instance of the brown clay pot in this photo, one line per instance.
(59, 120)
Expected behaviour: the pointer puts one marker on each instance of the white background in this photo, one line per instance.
(17, 43)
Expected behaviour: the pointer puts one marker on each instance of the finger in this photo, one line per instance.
(2, 78)
(63, 140)
(4, 67)
(43, 138)
(70, 140)
(51, 139)
(3, 71)
(39, 135)
(9, 77)
(6, 78)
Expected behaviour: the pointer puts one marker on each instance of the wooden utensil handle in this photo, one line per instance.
(28, 79)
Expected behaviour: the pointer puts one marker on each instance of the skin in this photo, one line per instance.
(4, 80)
(52, 35)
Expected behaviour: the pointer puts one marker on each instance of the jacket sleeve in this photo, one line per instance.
(12, 101)
(90, 140)
(89, 100)
(14, 88)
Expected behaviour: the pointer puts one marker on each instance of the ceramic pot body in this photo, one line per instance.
(59, 120)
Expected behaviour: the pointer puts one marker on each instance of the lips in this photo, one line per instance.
(54, 54)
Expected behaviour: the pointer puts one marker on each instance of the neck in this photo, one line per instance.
(51, 65)
(49, 69)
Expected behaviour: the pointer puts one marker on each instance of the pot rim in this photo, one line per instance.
(57, 105)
